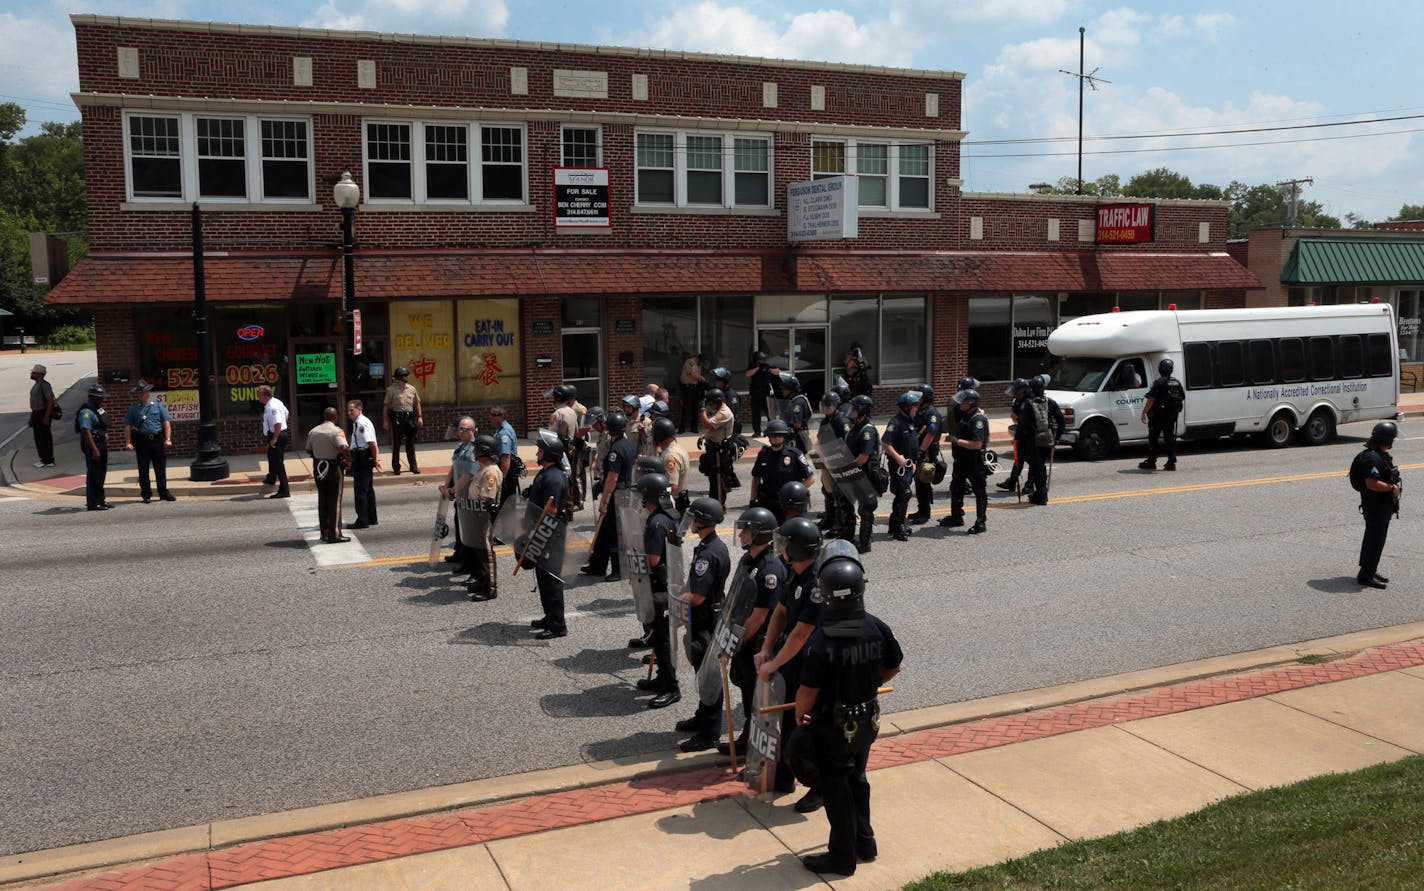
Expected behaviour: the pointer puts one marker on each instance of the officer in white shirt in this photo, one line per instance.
(365, 461)
(274, 433)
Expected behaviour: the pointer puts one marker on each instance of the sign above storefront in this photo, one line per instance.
(580, 197)
(823, 209)
(1125, 223)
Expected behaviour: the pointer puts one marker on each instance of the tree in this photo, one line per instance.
(1410, 212)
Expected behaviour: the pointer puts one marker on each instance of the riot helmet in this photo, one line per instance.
(842, 389)
(549, 444)
(926, 393)
(830, 399)
(655, 489)
(401, 373)
(908, 400)
(759, 356)
(967, 397)
(1384, 433)
(647, 464)
(840, 578)
(1017, 388)
(704, 512)
(714, 396)
(664, 428)
(862, 405)
(659, 408)
(616, 423)
(789, 381)
(799, 539)
(722, 376)
(760, 522)
(485, 446)
(1165, 367)
(777, 427)
(595, 415)
(968, 383)
(630, 405)
(1036, 386)
(794, 495)
(562, 393)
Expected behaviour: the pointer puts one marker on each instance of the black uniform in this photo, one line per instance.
(1019, 454)
(1378, 508)
(863, 439)
(711, 566)
(759, 388)
(837, 425)
(621, 457)
(1037, 456)
(656, 534)
(927, 420)
(900, 435)
(797, 416)
(1167, 395)
(734, 402)
(549, 482)
(775, 468)
(968, 467)
(768, 573)
(803, 603)
(845, 720)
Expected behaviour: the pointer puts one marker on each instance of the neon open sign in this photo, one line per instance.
(251, 332)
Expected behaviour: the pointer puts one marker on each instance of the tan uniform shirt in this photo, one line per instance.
(402, 396)
(721, 425)
(646, 446)
(486, 484)
(600, 451)
(690, 371)
(325, 441)
(564, 422)
(674, 458)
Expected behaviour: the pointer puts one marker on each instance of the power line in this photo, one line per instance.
(1187, 133)
(1193, 148)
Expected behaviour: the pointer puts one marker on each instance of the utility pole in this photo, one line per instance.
(1292, 187)
(1091, 81)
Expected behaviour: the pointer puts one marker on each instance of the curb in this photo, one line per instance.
(207, 837)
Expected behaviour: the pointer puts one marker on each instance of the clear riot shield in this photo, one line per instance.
(727, 637)
(537, 533)
(474, 523)
(442, 529)
(633, 557)
(776, 407)
(679, 555)
(764, 736)
(850, 479)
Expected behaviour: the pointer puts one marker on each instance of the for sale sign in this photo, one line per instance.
(1125, 223)
(580, 196)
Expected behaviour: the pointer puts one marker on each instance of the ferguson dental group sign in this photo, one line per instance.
(1125, 223)
(580, 196)
(823, 208)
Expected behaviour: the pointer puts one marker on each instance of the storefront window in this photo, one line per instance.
(727, 333)
(1184, 300)
(790, 309)
(250, 349)
(1131, 301)
(487, 351)
(422, 340)
(669, 337)
(167, 348)
(1408, 313)
(902, 345)
(989, 324)
(1033, 322)
(855, 322)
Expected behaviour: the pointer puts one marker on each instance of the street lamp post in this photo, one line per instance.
(347, 195)
(209, 466)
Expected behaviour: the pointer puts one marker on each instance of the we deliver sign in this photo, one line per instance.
(1125, 223)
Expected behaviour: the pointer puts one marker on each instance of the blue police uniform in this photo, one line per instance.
(1378, 508)
(621, 457)
(900, 435)
(968, 470)
(96, 466)
(863, 439)
(928, 420)
(707, 578)
(797, 415)
(507, 443)
(550, 482)
(768, 574)
(145, 423)
(775, 468)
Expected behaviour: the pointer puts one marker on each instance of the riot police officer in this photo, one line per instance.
(722, 380)
(717, 424)
(970, 439)
(847, 659)
(1019, 392)
(902, 447)
(1164, 402)
(1040, 423)
(484, 492)
(794, 499)
(549, 482)
(761, 379)
(756, 528)
(617, 473)
(659, 531)
(863, 442)
(706, 585)
(834, 424)
(1378, 480)
(777, 464)
(796, 412)
(929, 424)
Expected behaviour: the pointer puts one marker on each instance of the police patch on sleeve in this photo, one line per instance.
(771, 581)
(816, 596)
(701, 566)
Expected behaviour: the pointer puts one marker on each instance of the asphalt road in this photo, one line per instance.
(163, 665)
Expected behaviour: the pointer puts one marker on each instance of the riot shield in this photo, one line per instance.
(679, 607)
(442, 529)
(633, 557)
(764, 736)
(474, 524)
(731, 623)
(537, 533)
(850, 479)
(776, 407)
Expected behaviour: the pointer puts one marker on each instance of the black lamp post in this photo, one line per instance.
(209, 466)
(347, 195)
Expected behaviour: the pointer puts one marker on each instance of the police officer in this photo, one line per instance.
(659, 533)
(656, 412)
(857, 371)
(722, 380)
(1038, 412)
(834, 423)
(404, 418)
(929, 424)
(761, 377)
(756, 528)
(617, 473)
(847, 659)
(150, 434)
(794, 499)
(902, 447)
(863, 441)
(507, 451)
(1164, 402)
(549, 482)
(791, 626)
(484, 493)
(1019, 392)
(1379, 499)
(564, 421)
(92, 422)
(706, 586)
(970, 438)
(672, 457)
(717, 420)
(777, 464)
(797, 411)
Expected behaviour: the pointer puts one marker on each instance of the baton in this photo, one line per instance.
(548, 511)
(788, 706)
(727, 706)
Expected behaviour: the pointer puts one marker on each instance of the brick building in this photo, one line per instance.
(469, 269)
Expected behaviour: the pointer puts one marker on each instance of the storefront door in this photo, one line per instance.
(801, 350)
(317, 371)
(583, 363)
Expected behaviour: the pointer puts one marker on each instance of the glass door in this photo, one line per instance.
(317, 371)
(373, 373)
(801, 350)
(583, 363)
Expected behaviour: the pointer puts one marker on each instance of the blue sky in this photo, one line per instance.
(1174, 66)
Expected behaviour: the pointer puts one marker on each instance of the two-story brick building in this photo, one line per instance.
(473, 269)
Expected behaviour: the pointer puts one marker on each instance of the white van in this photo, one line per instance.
(1269, 371)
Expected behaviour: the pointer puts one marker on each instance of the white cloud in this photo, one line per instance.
(38, 65)
(1212, 24)
(480, 18)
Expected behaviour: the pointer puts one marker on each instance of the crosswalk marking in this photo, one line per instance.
(303, 508)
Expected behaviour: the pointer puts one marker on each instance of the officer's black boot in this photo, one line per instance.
(1149, 464)
(1008, 485)
(978, 527)
(952, 520)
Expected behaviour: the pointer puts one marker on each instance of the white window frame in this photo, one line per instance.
(425, 163)
(474, 165)
(728, 169)
(199, 157)
(893, 174)
(310, 160)
(188, 158)
(597, 144)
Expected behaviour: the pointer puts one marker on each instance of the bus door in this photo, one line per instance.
(1126, 391)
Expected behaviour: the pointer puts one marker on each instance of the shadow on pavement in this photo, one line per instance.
(704, 822)
(57, 511)
(591, 661)
(640, 743)
(786, 868)
(444, 596)
(299, 544)
(608, 701)
(1344, 584)
(495, 634)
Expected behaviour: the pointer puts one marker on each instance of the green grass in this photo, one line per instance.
(1362, 830)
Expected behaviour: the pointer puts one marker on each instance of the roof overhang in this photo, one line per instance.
(1343, 261)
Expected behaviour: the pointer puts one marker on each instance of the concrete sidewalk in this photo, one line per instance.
(954, 787)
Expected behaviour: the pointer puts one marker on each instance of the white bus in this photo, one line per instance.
(1270, 371)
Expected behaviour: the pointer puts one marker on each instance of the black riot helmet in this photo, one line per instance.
(777, 427)
(1037, 385)
(1165, 367)
(663, 429)
(840, 578)
(1384, 433)
(647, 464)
(794, 495)
(830, 399)
(562, 393)
(926, 393)
(842, 389)
(616, 423)
(655, 489)
(862, 405)
(595, 415)
(967, 397)
(659, 408)
(550, 445)
(789, 381)
(485, 446)
(714, 396)
(1017, 388)
(704, 512)
(968, 383)
(722, 376)
(762, 524)
(799, 539)
(908, 400)
(759, 356)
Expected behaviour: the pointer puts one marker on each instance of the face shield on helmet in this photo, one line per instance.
(840, 579)
(760, 522)
(1017, 388)
(705, 512)
(655, 489)
(967, 398)
(968, 383)
(908, 401)
(862, 405)
(798, 539)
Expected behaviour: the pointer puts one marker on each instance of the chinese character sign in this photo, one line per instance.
(422, 339)
(488, 351)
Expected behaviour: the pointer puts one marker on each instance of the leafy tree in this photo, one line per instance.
(1164, 183)
(1410, 212)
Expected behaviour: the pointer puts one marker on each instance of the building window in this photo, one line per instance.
(447, 163)
(914, 179)
(502, 167)
(222, 168)
(580, 147)
(892, 176)
(286, 160)
(655, 168)
(691, 169)
(155, 161)
(388, 170)
(752, 172)
(704, 170)
(889, 330)
(872, 166)
(827, 159)
(445, 171)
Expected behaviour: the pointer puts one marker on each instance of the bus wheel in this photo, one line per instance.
(1319, 429)
(1095, 441)
(1278, 432)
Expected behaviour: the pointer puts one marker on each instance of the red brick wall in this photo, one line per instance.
(1021, 224)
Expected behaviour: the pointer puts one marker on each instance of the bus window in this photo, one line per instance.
(1230, 364)
(1128, 376)
(1292, 359)
(1262, 354)
(1352, 356)
(1081, 373)
(1322, 358)
(1380, 353)
(1198, 356)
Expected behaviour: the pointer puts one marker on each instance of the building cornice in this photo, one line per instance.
(1092, 199)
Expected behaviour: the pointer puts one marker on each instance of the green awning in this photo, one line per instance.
(1346, 261)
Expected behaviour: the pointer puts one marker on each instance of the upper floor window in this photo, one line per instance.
(408, 161)
(190, 157)
(894, 176)
(691, 168)
(580, 147)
